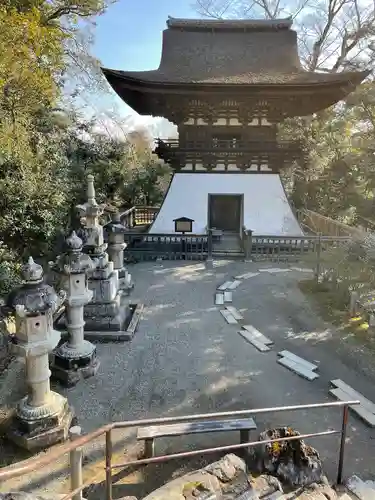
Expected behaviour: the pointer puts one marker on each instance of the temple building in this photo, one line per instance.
(227, 85)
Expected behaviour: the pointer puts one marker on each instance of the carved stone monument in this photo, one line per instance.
(116, 247)
(76, 358)
(42, 418)
(106, 315)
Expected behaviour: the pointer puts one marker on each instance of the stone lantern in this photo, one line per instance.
(116, 247)
(42, 418)
(76, 358)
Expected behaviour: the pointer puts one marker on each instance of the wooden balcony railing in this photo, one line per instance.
(173, 147)
(211, 151)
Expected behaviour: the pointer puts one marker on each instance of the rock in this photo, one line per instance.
(227, 467)
(185, 484)
(265, 485)
(225, 479)
(293, 462)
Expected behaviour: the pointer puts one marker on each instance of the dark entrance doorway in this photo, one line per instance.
(224, 211)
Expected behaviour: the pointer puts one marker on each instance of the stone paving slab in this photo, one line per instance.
(234, 312)
(225, 286)
(234, 284)
(246, 276)
(298, 359)
(228, 316)
(257, 335)
(298, 368)
(253, 341)
(361, 411)
(364, 490)
(353, 394)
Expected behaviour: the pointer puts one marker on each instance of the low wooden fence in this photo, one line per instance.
(315, 223)
(279, 248)
(139, 216)
(142, 247)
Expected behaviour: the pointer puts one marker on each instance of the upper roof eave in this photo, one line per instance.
(225, 24)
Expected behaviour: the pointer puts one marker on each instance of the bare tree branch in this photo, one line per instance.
(333, 34)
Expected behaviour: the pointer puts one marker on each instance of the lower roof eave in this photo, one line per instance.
(149, 86)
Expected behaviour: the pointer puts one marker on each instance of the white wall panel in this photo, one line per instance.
(266, 208)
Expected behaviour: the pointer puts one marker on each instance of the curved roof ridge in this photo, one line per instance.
(223, 24)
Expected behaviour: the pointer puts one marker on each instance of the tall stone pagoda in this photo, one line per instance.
(227, 85)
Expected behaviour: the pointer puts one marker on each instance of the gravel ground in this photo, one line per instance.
(186, 359)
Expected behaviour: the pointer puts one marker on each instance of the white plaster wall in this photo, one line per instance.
(266, 209)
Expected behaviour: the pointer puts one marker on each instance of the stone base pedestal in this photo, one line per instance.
(40, 427)
(69, 365)
(120, 327)
(108, 321)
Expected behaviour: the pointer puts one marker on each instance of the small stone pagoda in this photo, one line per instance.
(227, 85)
(107, 314)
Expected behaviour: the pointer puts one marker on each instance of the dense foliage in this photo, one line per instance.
(46, 148)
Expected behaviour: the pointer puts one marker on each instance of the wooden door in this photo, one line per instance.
(225, 212)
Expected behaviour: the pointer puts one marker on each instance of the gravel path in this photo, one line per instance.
(186, 359)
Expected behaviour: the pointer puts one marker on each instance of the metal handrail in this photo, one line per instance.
(31, 465)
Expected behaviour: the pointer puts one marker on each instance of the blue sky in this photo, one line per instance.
(128, 35)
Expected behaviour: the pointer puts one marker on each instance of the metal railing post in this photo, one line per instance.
(76, 480)
(108, 465)
(345, 415)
